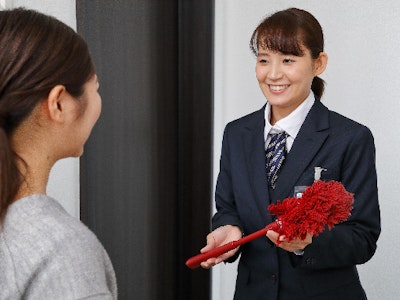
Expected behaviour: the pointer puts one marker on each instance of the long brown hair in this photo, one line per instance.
(38, 52)
(286, 31)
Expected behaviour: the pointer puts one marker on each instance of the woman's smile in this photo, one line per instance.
(278, 88)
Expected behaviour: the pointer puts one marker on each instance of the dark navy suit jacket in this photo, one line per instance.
(327, 269)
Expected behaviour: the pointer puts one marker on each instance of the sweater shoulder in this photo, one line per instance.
(42, 244)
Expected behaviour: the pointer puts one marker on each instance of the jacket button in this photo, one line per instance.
(310, 261)
(273, 278)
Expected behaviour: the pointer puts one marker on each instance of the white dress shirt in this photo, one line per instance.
(291, 124)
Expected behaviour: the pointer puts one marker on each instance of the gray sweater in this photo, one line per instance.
(47, 254)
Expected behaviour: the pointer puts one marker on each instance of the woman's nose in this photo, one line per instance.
(275, 71)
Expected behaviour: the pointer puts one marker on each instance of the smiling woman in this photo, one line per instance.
(293, 36)
(273, 153)
(285, 79)
(289, 59)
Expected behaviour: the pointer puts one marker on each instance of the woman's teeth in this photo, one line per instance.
(278, 88)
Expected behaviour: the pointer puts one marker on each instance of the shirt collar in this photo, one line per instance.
(291, 123)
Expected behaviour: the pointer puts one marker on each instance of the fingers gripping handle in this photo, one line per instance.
(196, 260)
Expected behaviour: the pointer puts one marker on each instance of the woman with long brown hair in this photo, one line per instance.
(49, 103)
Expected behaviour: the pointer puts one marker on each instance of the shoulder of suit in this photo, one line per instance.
(253, 119)
(344, 125)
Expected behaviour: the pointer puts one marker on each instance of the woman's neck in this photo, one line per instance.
(31, 187)
(33, 142)
(35, 175)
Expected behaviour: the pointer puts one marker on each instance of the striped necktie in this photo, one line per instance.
(275, 156)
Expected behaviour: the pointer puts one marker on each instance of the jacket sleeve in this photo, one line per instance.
(227, 213)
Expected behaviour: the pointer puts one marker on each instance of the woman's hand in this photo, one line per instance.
(294, 245)
(221, 236)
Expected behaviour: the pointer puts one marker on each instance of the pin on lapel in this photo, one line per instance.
(317, 172)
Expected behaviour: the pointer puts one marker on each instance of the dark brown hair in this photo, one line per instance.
(38, 52)
(287, 31)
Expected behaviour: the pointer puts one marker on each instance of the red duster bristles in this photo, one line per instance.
(323, 204)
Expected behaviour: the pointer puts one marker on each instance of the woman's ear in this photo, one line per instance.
(320, 63)
(56, 103)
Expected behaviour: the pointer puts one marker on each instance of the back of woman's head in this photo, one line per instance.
(287, 31)
(38, 52)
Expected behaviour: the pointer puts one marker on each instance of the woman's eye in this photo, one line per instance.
(288, 60)
(263, 61)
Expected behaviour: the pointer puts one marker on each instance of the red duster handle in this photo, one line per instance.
(196, 260)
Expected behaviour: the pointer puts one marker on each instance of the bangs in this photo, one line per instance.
(290, 32)
(284, 38)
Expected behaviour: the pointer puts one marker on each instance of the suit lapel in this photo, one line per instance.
(309, 140)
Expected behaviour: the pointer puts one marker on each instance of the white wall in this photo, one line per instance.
(363, 44)
(64, 177)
